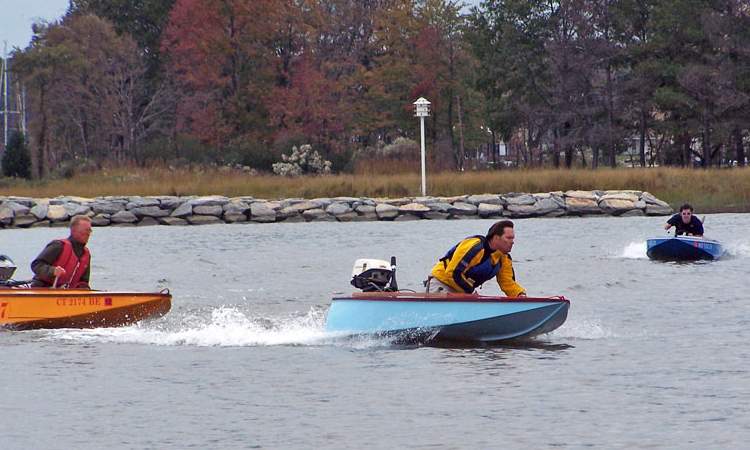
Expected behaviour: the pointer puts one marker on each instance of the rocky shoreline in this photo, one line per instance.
(22, 212)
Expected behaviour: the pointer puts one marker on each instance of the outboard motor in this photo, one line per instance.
(7, 268)
(375, 275)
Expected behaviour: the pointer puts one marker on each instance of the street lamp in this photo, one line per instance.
(422, 110)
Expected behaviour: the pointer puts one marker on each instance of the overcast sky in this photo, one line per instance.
(16, 17)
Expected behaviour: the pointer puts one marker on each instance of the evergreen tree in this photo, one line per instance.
(16, 159)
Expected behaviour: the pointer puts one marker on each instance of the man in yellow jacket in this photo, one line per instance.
(477, 259)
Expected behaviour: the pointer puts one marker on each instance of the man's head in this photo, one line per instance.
(80, 229)
(501, 236)
(686, 213)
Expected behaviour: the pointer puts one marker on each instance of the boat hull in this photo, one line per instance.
(683, 248)
(446, 317)
(28, 309)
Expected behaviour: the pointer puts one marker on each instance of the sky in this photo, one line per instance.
(17, 16)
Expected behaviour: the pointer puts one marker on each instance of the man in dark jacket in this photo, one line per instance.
(685, 222)
(65, 262)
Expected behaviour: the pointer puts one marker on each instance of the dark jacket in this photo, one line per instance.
(42, 266)
(695, 227)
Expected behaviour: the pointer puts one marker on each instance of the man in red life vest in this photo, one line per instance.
(65, 262)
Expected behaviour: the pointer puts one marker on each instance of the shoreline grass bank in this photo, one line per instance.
(709, 191)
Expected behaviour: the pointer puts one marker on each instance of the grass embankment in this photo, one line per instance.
(716, 190)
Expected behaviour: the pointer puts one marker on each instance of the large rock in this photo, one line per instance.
(620, 195)
(148, 221)
(650, 199)
(182, 211)
(585, 195)
(234, 218)
(100, 220)
(386, 211)
(40, 224)
(107, 207)
(616, 206)
(24, 220)
(350, 216)
(40, 210)
(547, 205)
(462, 209)
(19, 209)
(322, 202)
(633, 213)
(25, 201)
(123, 217)
(208, 210)
(262, 212)
(338, 209)
(489, 210)
(442, 207)
(521, 211)
(170, 202)
(203, 220)
(300, 207)
(211, 200)
(520, 199)
(150, 211)
(75, 209)
(413, 208)
(398, 201)
(6, 214)
(172, 221)
(365, 209)
(141, 202)
(57, 213)
(314, 214)
(579, 205)
(488, 199)
(436, 215)
(236, 207)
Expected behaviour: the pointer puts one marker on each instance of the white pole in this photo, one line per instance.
(5, 95)
(424, 175)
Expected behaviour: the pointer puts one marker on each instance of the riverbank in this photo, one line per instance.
(26, 212)
(714, 190)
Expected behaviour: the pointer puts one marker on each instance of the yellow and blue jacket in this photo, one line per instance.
(472, 262)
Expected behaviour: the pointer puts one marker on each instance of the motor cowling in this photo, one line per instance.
(372, 275)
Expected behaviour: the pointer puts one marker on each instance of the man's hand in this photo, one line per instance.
(59, 271)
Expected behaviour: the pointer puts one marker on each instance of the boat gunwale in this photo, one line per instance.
(47, 292)
(445, 298)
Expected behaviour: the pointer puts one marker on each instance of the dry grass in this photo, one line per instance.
(708, 190)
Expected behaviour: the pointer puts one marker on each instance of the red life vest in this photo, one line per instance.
(74, 267)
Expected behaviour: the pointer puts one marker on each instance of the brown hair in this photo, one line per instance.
(79, 218)
(498, 228)
(686, 206)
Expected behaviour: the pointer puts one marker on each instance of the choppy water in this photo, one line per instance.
(653, 354)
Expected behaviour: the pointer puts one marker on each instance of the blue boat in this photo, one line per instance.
(431, 318)
(683, 248)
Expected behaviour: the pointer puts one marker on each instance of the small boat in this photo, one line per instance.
(383, 310)
(33, 308)
(26, 308)
(446, 317)
(683, 248)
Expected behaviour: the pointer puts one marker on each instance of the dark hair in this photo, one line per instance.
(498, 228)
(686, 206)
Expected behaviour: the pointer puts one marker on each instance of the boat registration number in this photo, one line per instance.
(84, 301)
(704, 245)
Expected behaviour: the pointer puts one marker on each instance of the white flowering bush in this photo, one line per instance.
(303, 160)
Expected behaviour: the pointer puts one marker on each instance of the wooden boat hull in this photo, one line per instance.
(445, 317)
(683, 248)
(27, 309)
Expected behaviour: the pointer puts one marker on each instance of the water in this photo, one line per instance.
(652, 355)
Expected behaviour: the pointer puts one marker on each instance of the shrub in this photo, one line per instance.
(16, 159)
(303, 160)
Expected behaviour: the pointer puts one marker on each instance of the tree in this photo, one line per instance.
(16, 159)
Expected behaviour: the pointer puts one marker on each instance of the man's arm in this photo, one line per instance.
(42, 265)
(671, 223)
(506, 278)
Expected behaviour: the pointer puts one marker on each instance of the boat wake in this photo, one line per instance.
(737, 250)
(582, 329)
(226, 327)
(635, 250)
